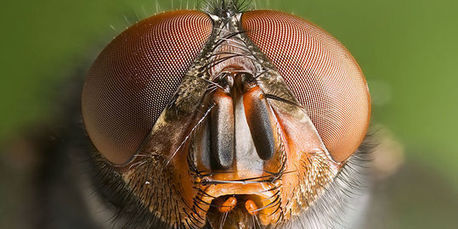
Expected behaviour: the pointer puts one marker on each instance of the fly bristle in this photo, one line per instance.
(222, 7)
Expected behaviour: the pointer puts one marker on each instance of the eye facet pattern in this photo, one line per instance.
(135, 77)
(320, 72)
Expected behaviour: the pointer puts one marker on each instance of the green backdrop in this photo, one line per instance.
(408, 51)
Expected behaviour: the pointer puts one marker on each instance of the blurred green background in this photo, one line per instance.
(408, 51)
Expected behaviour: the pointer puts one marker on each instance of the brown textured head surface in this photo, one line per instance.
(136, 75)
(320, 72)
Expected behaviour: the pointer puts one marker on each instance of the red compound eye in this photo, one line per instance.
(320, 72)
(136, 75)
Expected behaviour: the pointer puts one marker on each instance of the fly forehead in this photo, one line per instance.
(229, 47)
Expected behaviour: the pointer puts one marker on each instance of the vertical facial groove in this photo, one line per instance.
(259, 121)
(222, 131)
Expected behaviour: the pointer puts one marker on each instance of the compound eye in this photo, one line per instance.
(320, 72)
(135, 76)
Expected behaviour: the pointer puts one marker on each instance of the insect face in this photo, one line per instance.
(223, 119)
